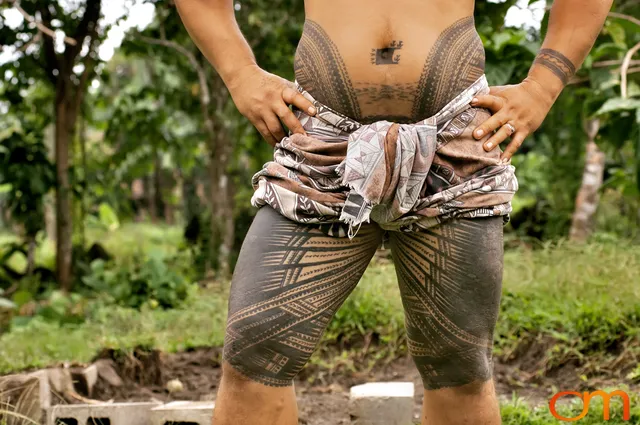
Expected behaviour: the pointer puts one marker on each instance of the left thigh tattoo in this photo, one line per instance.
(450, 280)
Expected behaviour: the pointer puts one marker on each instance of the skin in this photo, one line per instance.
(574, 26)
(386, 68)
(291, 278)
(396, 80)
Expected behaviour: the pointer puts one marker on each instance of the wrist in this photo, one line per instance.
(548, 90)
(545, 83)
(232, 77)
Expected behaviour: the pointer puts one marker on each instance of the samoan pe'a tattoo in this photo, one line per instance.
(387, 55)
(454, 62)
(291, 279)
(558, 63)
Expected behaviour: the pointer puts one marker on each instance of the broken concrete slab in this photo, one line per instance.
(101, 414)
(84, 379)
(107, 371)
(60, 380)
(192, 412)
(382, 403)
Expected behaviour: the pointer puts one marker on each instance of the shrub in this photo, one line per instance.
(149, 281)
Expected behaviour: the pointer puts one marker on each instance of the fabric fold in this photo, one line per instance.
(404, 177)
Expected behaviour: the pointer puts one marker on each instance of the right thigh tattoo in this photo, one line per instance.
(288, 283)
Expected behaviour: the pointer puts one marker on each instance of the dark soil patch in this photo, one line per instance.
(321, 402)
(198, 370)
(142, 366)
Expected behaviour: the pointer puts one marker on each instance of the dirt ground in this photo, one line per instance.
(323, 402)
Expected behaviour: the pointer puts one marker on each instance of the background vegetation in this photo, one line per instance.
(124, 197)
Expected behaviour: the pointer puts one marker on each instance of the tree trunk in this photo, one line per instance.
(214, 221)
(225, 202)
(150, 198)
(158, 186)
(31, 255)
(589, 193)
(50, 217)
(83, 199)
(170, 206)
(69, 96)
(229, 229)
(138, 199)
(218, 152)
(64, 224)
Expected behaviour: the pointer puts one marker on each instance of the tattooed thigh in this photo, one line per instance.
(288, 283)
(450, 280)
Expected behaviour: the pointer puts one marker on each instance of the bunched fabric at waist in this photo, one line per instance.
(405, 177)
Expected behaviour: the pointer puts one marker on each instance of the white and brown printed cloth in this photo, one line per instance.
(405, 177)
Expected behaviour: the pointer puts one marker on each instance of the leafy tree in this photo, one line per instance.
(549, 163)
(25, 170)
(273, 32)
(67, 68)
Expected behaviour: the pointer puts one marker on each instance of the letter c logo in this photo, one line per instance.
(554, 400)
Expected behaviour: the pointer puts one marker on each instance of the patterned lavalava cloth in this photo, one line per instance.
(405, 177)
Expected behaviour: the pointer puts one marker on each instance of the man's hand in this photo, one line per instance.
(518, 111)
(264, 99)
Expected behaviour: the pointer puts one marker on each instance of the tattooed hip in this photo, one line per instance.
(291, 279)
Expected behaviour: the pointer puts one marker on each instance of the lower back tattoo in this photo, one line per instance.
(558, 63)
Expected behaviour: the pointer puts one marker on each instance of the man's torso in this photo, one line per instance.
(396, 60)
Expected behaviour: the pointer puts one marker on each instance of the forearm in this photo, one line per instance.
(213, 27)
(574, 26)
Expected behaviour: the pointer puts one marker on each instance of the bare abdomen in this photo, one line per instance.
(402, 75)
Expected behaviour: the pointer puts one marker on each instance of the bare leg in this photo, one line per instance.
(443, 407)
(243, 401)
(450, 280)
(289, 281)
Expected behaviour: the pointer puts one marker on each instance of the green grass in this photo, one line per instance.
(200, 323)
(582, 300)
(129, 239)
(585, 298)
(517, 412)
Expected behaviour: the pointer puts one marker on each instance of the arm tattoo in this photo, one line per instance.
(558, 63)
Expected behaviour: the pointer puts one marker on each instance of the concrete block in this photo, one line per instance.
(84, 379)
(183, 412)
(44, 388)
(60, 380)
(382, 403)
(107, 371)
(101, 414)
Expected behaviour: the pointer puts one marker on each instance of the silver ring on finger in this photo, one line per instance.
(511, 128)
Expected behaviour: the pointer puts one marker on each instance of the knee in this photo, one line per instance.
(232, 377)
(261, 364)
(242, 381)
(238, 391)
(474, 389)
(466, 372)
